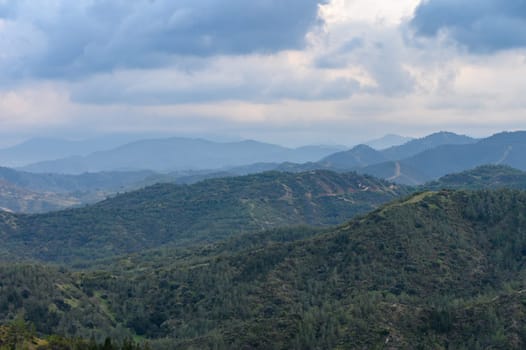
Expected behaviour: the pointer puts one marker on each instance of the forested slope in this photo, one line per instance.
(436, 270)
(206, 211)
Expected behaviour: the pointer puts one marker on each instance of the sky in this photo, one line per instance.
(290, 72)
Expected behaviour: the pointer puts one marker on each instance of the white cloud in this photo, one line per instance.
(362, 74)
(371, 11)
(252, 78)
(39, 106)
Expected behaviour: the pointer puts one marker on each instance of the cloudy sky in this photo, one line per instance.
(291, 72)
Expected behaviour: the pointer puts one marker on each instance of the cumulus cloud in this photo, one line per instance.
(75, 38)
(368, 45)
(482, 26)
(289, 71)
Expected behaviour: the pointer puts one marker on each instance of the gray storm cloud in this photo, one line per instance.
(482, 26)
(78, 38)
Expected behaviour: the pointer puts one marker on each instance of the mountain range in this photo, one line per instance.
(176, 154)
(42, 149)
(363, 155)
(420, 160)
(187, 214)
(443, 153)
(271, 260)
(500, 149)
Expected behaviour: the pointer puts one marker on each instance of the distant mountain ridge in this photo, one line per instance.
(426, 159)
(362, 155)
(505, 148)
(43, 149)
(357, 157)
(434, 140)
(417, 168)
(444, 153)
(173, 154)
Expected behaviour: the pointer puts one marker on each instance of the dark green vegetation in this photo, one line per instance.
(21, 335)
(483, 177)
(436, 270)
(34, 193)
(185, 214)
(17, 199)
(53, 301)
(88, 182)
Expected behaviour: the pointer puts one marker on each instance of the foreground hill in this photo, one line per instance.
(425, 271)
(437, 270)
(206, 211)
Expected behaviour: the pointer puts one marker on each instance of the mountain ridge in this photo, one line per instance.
(176, 153)
(438, 269)
(206, 211)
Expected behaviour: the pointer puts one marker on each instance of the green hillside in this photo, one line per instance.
(206, 211)
(407, 272)
(434, 271)
(398, 172)
(17, 199)
(483, 177)
(24, 192)
(87, 182)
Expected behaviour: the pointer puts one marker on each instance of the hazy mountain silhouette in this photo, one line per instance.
(181, 154)
(42, 149)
